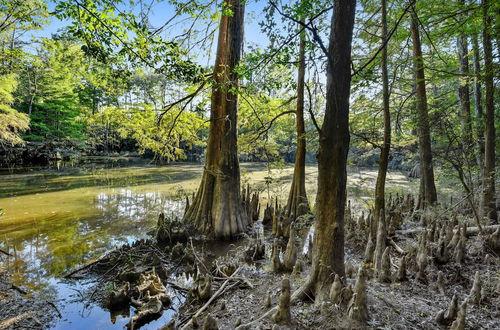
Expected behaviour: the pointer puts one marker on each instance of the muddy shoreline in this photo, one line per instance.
(242, 290)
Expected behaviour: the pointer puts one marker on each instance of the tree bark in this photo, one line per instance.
(478, 104)
(298, 204)
(379, 212)
(328, 246)
(463, 87)
(488, 200)
(428, 190)
(217, 208)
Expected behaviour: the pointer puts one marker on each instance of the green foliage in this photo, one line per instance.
(12, 122)
(55, 110)
(115, 36)
(167, 138)
(16, 18)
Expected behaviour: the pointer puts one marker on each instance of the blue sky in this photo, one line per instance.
(163, 10)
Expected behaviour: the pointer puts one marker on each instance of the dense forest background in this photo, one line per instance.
(88, 88)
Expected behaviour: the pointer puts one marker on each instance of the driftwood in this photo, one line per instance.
(212, 298)
(18, 289)
(470, 230)
(11, 321)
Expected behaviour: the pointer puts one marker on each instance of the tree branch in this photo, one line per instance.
(313, 118)
(386, 41)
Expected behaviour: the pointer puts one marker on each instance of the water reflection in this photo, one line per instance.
(44, 249)
(83, 225)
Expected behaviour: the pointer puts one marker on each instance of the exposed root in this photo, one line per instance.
(283, 315)
(447, 317)
(357, 308)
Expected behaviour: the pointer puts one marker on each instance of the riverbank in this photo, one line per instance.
(20, 309)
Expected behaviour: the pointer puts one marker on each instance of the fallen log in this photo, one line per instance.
(470, 230)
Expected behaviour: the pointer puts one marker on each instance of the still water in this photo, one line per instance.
(55, 218)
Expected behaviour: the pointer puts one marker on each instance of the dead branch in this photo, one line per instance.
(6, 253)
(212, 299)
(396, 247)
(85, 266)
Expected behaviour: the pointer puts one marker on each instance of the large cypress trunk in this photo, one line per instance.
(488, 200)
(428, 193)
(217, 208)
(297, 199)
(379, 212)
(328, 243)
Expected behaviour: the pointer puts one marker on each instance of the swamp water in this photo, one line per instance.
(56, 218)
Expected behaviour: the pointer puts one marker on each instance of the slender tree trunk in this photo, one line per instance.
(297, 199)
(328, 243)
(488, 205)
(428, 191)
(379, 213)
(478, 105)
(463, 87)
(217, 208)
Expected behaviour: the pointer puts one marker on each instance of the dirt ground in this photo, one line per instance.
(406, 305)
(20, 310)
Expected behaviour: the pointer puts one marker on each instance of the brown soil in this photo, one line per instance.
(21, 310)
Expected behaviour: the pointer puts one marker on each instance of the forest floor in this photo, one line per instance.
(20, 310)
(241, 298)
